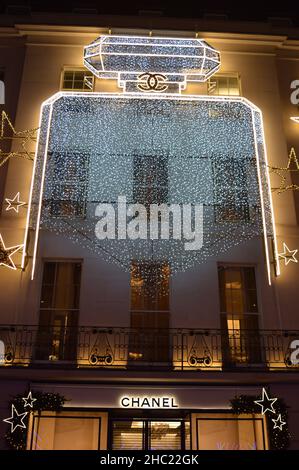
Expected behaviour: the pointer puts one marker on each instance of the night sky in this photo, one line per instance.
(241, 9)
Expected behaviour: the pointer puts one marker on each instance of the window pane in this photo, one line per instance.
(165, 435)
(230, 434)
(224, 85)
(127, 435)
(68, 84)
(237, 290)
(230, 190)
(59, 433)
(233, 86)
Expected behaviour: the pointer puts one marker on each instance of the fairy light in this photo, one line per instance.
(182, 132)
(151, 148)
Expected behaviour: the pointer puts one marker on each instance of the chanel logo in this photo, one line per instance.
(152, 82)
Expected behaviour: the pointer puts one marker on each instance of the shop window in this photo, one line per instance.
(224, 85)
(68, 431)
(69, 184)
(150, 434)
(225, 431)
(59, 311)
(127, 435)
(77, 80)
(239, 315)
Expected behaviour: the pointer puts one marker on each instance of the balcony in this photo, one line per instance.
(147, 349)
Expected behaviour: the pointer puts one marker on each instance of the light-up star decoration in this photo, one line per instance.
(8, 133)
(266, 403)
(16, 420)
(29, 400)
(295, 119)
(278, 423)
(291, 168)
(6, 254)
(288, 255)
(14, 203)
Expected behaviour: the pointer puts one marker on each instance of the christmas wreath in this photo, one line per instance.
(279, 436)
(37, 401)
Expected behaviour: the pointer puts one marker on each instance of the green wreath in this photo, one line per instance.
(43, 401)
(278, 439)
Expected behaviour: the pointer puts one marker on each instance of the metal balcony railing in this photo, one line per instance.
(129, 348)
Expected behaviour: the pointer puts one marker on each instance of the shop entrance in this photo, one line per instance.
(150, 434)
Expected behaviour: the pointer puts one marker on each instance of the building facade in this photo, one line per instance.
(149, 343)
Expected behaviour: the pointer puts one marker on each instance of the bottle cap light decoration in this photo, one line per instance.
(147, 63)
(149, 176)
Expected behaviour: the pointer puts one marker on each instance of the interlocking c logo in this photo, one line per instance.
(152, 82)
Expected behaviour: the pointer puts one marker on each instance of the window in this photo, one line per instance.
(69, 188)
(224, 85)
(150, 434)
(149, 339)
(77, 80)
(59, 311)
(150, 176)
(69, 430)
(239, 314)
(149, 286)
(2, 86)
(230, 190)
(225, 431)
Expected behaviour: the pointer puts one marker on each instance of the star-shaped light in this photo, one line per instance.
(14, 203)
(29, 400)
(16, 419)
(266, 403)
(288, 255)
(292, 167)
(278, 420)
(295, 119)
(8, 133)
(6, 254)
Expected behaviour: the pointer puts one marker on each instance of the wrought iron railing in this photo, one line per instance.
(129, 348)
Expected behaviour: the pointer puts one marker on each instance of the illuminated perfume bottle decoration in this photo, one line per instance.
(148, 145)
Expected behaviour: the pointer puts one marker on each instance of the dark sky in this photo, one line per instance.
(242, 9)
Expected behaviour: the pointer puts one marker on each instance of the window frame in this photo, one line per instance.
(240, 267)
(101, 416)
(195, 418)
(69, 68)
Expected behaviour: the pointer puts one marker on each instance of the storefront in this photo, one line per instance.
(181, 418)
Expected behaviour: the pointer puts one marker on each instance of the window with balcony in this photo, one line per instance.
(225, 431)
(77, 80)
(128, 434)
(224, 85)
(149, 339)
(239, 315)
(59, 311)
(68, 430)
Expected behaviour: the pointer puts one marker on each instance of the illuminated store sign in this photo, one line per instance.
(148, 402)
